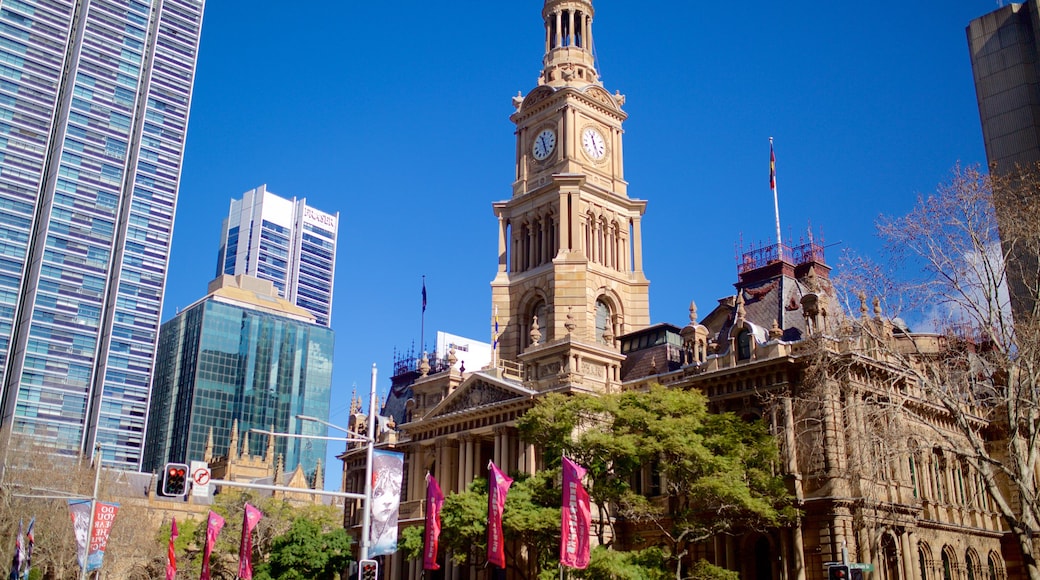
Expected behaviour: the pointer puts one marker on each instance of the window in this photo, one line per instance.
(744, 344)
(604, 325)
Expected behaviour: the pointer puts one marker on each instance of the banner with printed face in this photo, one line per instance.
(387, 471)
(498, 487)
(79, 511)
(434, 501)
(574, 529)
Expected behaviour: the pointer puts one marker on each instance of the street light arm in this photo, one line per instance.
(327, 424)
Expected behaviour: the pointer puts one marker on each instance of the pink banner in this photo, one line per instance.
(214, 524)
(171, 555)
(574, 529)
(498, 487)
(245, 548)
(434, 501)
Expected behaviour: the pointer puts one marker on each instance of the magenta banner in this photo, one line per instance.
(214, 524)
(574, 529)
(434, 501)
(171, 555)
(245, 547)
(498, 487)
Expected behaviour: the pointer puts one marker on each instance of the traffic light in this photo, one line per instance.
(175, 480)
(838, 572)
(368, 570)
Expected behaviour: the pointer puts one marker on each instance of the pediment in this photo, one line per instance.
(479, 391)
(536, 96)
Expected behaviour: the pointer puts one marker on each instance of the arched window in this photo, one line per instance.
(540, 310)
(603, 323)
(744, 344)
(924, 559)
(996, 567)
(890, 557)
(947, 564)
(971, 562)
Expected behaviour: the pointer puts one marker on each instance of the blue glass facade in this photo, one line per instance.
(94, 100)
(286, 242)
(221, 362)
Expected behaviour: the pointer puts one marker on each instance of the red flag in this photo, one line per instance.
(171, 557)
(772, 166)
(574, 529)
(214, 524)
(245, 548)
(434, 501)
(498, 487)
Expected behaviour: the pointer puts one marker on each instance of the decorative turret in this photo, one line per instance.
(569, 60)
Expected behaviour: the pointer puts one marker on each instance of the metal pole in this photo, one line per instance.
(93, 507)
(366, 515)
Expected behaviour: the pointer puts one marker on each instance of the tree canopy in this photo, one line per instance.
(715, 472)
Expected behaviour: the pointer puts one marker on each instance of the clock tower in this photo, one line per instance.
(570, 277)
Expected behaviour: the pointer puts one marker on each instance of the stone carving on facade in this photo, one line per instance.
(478, 395)
(536, 335)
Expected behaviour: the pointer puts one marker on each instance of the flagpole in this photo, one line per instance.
(422, 324)
(776, 202)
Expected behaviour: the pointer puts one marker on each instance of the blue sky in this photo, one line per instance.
(397, 116)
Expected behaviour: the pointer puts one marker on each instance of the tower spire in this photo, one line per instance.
(569, 60)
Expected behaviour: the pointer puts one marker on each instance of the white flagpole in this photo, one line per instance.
(776, 201)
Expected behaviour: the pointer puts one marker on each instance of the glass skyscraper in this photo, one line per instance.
(242, 353)
(285, 241)
(94, 100)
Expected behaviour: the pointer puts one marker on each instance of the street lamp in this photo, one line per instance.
(370, 439)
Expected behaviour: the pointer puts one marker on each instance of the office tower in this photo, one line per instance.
(285, 241)
(241, 354)
(94, 100)
(1004, 54)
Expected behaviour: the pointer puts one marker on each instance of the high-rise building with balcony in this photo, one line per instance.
(94, 100)
(285, 241)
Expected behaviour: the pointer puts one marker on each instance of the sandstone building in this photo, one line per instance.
(570, 308)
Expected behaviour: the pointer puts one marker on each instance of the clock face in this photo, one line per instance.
(544, 144)
(594, 144)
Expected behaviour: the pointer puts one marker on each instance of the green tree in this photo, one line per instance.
(718, 470)
(306, 552)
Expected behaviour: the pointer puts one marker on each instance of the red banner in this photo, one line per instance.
(498, 487)
(104, 516)
(434, 501)
(574, 529)
(245, 548)
(214, 524)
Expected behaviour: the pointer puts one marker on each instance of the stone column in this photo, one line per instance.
(637, 229)
(470, 459)
(463, 459)
(559, 29)
(564, 223)
(570, 29)
(502, 232)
